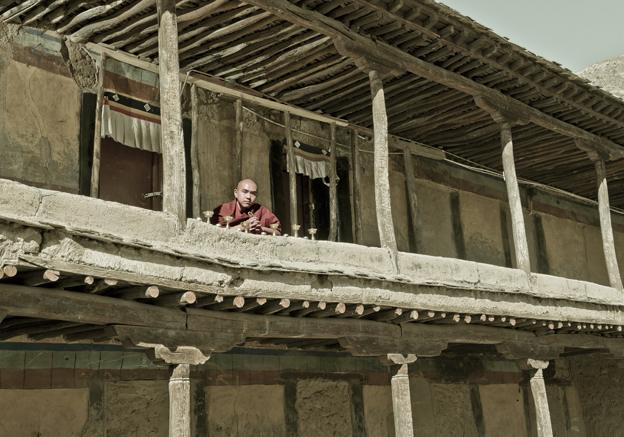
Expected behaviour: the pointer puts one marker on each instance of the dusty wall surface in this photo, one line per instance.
(43, 413)
(39, 113)
(599, 384)
(378, 410)
(238, 411)
(136, 408)
(323, 408)
(503, 410)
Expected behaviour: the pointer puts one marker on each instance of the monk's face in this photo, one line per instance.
(245, 193)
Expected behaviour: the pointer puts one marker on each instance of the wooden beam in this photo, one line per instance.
(172, 144)
(354, 169)
(383, 205)
(97, 131)
(410, 185)
(521, 245)
(384, 53)
(292, 174)
(238, 146)
(333, 182)
(58, 304)
(195, 152)
(606, 229)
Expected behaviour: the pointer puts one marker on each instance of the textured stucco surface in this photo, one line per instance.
(503, 410)
(137, 408)
(323, 408)
(240, 411)
(378, 415)
(39, 118)
(43, 413)
(452, 410)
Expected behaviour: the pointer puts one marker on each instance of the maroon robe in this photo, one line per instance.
(264, 215)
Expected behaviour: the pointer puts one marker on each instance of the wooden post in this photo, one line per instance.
(411, 197)
(97, 133)
(195, 152)
(401, 400)
(381, 171)
(172, 143)
(180, 401)
(354, 165)
(179, 384)
(515, 204)
(333, 180)
(540, 400)
(238, 149)
(292, 174)
(604, 210)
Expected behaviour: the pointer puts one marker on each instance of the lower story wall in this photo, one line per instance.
(119, 393)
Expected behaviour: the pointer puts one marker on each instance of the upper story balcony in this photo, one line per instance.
(426, 238)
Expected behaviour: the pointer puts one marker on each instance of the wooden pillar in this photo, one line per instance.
(401, 400)
(354, 165)
(606, 229)
(292, 173)
(411, 197)
(238, 148)
(381, 171)
(97, 132)
(540, 400)
(195, 152)
(180, 401)
(521, 246)
(172, 142)
(333, 195)
(179, 384)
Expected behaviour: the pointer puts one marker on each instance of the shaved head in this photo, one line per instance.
(245, 193)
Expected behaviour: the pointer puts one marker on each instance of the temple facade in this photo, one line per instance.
(452, 212)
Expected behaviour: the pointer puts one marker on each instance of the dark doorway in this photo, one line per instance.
(130, 176)
(312, 198)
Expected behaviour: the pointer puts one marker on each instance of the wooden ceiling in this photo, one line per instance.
(244, 44)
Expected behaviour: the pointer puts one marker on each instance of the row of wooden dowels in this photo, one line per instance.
(299, 308)
(244, 226)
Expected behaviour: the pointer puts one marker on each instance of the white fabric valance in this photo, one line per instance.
(310, 161)
(131, 123)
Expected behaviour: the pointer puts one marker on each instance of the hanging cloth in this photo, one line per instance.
(131, 122)
(310, 161)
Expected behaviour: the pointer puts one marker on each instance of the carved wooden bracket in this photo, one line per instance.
(524, 351)
(366, 60)
(501, 112)
(378, 346)
(593, 150)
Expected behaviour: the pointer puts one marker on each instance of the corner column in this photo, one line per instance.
(606, 229)
(540, 400)
(180, 385)
(171, 140)
(401, 399)
(383, 205)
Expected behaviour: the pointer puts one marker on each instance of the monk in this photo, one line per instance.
(244, 209)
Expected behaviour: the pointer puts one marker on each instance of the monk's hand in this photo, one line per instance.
(254, 224)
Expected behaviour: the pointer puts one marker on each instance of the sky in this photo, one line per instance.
(573, 33)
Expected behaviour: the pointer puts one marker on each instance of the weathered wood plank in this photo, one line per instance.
(292, 174)
(383, 205)
(172, 145)
(195, 152)
(333, 182)
(57, 304)
(606, 229)
(354, 169)
(97, 135)
(521, 245)
(410, 184)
